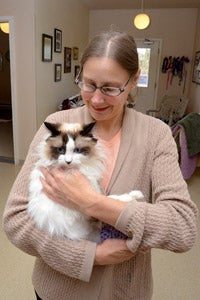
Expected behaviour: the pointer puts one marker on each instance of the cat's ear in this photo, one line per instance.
(53, 128)
(87, 128)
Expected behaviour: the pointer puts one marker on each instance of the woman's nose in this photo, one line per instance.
(97, 96)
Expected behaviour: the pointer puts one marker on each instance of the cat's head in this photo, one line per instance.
(70, 144)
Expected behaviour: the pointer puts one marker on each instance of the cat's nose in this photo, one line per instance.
(68, 159)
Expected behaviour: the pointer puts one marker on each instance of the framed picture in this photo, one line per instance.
(58, 72)
(196, 68)
(75, 53)
(77, 69)
(47, 43)
(67, 59)
(57, 40)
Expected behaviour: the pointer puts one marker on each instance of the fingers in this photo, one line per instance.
(57, 185)
(52, 176)
(112, 251)
(50, 184)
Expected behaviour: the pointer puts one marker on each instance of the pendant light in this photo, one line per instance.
(4, 27)
(142, 20)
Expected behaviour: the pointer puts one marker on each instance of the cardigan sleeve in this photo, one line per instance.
(72, 258)
(169, 222)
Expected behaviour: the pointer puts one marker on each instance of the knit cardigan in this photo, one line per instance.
(147, 161)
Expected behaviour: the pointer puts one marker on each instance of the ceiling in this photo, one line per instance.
(136, 4)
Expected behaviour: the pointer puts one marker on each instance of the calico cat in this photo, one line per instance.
(72, 146)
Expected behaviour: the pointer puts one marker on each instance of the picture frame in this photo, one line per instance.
(57, 40)
(67, 59)
(77, 69)
(57, 72)
(47, 44)
(75, 53)
(196, 68)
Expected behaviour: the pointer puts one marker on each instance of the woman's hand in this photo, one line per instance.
(71, 189)
(112, 251)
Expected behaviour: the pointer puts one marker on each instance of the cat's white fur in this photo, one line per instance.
(59, 220)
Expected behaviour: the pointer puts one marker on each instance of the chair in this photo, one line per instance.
(172, 109)
(187, 136)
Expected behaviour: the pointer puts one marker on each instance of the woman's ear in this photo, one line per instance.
(135, 79)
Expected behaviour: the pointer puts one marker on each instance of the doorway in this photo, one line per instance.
(6, 125)
(7, 94)
(149, 59)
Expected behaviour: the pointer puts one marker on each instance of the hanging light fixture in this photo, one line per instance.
(142, 20)
(4, 27)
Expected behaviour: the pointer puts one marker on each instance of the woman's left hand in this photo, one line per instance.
(71, 189)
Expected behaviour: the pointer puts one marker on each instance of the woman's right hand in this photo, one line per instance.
(112, 251)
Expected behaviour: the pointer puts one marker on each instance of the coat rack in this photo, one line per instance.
(175, 67)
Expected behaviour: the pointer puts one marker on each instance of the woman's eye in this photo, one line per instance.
(77, 150)
(61, 150)
(108, 89)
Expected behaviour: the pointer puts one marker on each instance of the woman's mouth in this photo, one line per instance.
(100, 109)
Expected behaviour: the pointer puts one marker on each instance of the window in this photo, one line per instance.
(144, 61)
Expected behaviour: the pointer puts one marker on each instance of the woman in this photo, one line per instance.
(142, 156)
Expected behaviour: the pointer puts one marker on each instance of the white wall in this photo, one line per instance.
(23, 71)
(176, 28)
(73, 19)
(194, 105)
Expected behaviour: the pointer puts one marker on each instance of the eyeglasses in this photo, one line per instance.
(106, 90)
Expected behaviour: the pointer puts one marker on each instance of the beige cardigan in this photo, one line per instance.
(147, 161)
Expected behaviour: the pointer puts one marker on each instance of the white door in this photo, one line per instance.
(149, 60)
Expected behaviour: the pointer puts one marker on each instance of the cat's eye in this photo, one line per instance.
(61, 150)
(77, 150)
(82, 150)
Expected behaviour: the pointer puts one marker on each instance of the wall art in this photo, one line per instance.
(196, 68)
(67, 59)
(58, 72)
(47, 43)
(57, 40)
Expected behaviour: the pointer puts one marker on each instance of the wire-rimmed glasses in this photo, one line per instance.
(106, 90)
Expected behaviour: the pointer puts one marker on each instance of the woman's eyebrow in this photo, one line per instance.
(105, 83)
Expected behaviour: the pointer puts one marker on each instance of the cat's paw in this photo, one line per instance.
(136, 195)
(133, 195)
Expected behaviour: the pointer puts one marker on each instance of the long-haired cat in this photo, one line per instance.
(72, 146)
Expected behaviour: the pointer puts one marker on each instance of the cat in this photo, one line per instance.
(69, 145)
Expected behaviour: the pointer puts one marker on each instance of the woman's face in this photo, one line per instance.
(106, 72)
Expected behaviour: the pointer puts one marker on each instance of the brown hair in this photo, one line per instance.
(116, 45)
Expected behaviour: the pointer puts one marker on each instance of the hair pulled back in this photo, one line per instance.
(119, 46)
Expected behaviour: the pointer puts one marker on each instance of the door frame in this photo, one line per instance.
(10, 20)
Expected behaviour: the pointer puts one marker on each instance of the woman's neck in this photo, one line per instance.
(107, 130)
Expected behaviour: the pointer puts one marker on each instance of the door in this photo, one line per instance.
(149, 60)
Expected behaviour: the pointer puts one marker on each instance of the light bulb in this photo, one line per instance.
(4, 27)
(141, 21)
